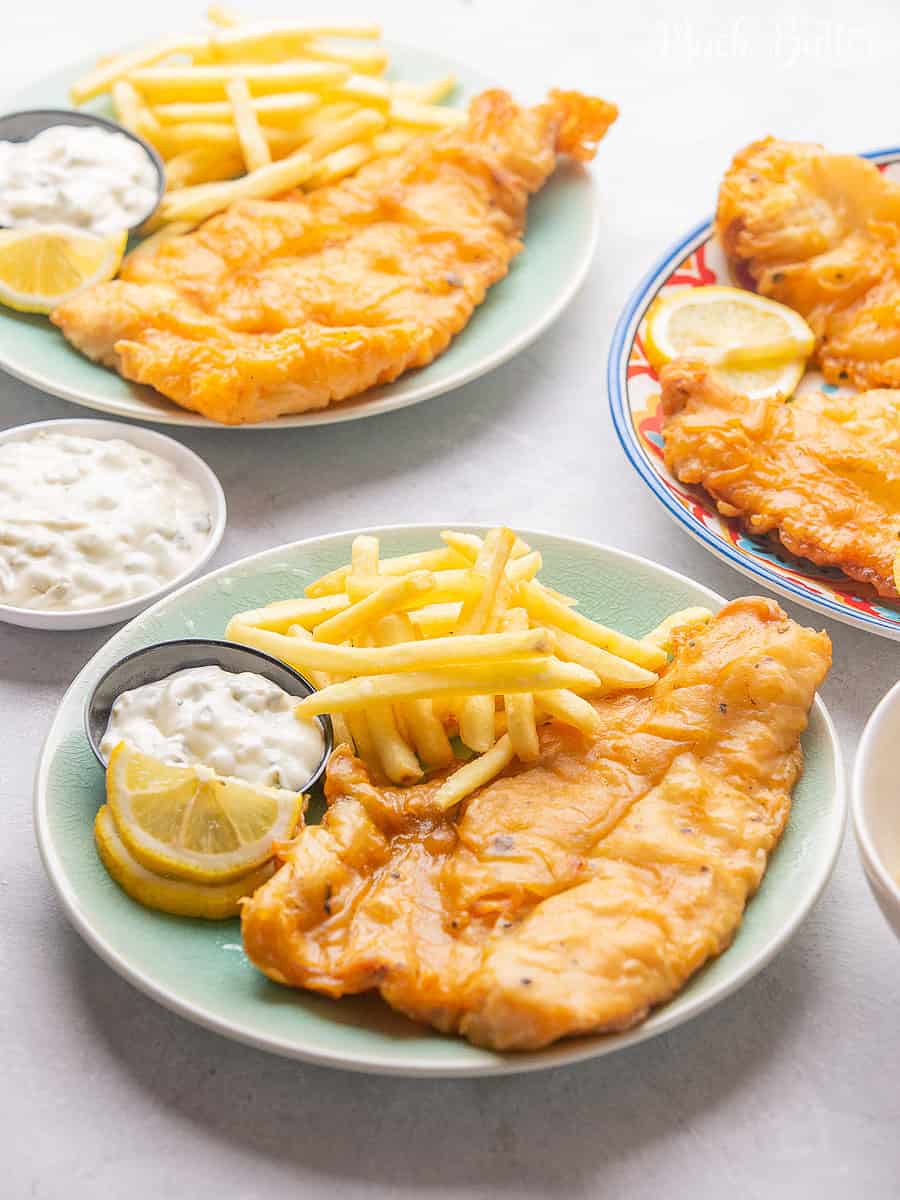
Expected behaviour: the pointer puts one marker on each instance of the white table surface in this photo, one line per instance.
(787, 1089)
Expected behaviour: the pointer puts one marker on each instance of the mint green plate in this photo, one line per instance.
(199, 969)
(562, 232)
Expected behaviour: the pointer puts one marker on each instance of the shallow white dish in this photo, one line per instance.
(559, 246)
(198, 968)
(876, 805)
(189, 465)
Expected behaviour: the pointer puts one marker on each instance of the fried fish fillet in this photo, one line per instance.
(822, 472)
(282, 306)
(571, 895)
(821, 233)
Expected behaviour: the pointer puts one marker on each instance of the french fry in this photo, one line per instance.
(519, 709)
(475, 774)
(341, 163)
(476, 722)
(358, 725)
(364, 555)
(364, 90)
(317, 655)
(469, 544)
(253, 144)
(490, 564)
(278, 109)
(281, 614)
(475, 679)
(516, 570)
(392, 750)
(425, 93)
(476, 715)
(545, 609)
(406, 650)
(526, 567)
(322, 119)
(392, 141)
(359, 124)
(570, 709)
(130, 109)
(425, 116)
(388, 599)
(222, 139)
(161, 85)
(282, 142)
(366, 60)
(428, 734)
(102, 78)
(189, 204)
(435, 620)
(320, 679)
(424, 729)
(661, 636)
(273, 41)
(449, 586)
(397, 760)
(614, 671)
(202, 164)
(341, 729)
(427, 560)
(170, 140)
(149, 244)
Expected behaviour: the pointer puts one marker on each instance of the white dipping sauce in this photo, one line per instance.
(85, 523)
(240, 725)
(78, 175)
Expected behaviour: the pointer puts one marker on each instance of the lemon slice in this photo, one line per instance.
(213, 901)
(188, 823)
(763, 383)
(42, 266)
(726, 326)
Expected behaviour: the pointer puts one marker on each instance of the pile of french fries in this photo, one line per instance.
(459, 642)
(253, 110)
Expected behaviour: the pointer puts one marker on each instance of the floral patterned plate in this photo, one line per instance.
(695, 261)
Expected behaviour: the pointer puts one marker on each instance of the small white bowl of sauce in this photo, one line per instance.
(98, 520)
(203, 702)
(876, 805)
(63, 167)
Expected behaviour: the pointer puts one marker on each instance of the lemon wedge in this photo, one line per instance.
(212, 901)
(726, 326)
(190, 824)
(758, 383)
(42, 266)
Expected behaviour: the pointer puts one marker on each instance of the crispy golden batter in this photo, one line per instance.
(823, 472)
(282, 306)
(821, 232)
(571, 895)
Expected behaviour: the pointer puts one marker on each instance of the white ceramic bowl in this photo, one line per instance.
(876, 805)
(188, 464)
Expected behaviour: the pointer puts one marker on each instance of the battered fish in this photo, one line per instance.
(282, 306)
(822, 472)
(571, 895)
(821, 233)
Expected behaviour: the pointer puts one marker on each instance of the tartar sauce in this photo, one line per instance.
(85, 523)
(77, 175)
(240, 725)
